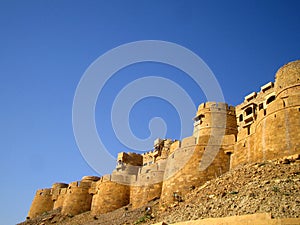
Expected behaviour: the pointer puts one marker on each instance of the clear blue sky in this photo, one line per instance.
(45, 47)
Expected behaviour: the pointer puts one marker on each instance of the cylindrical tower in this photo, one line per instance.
(58, 194)
(109, 196)
(277, 134)
(215, 119)
(78, 199)
(41, 203)
(275, 129)
(201, 157)
(288, 80)
(281, 125)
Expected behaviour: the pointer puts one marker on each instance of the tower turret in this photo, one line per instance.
(215, 119)
(41, 203)
(288, 80)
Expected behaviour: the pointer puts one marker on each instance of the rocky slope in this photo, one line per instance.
(271, 186)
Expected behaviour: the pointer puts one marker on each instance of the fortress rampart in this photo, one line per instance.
(109, 196)
(269, 121)
(59, 191)
(265, 126)
(41, 203)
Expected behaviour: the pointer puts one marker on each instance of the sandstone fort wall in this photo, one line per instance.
(41, 203)
(269, 121)
(265, 126)
(109, 196)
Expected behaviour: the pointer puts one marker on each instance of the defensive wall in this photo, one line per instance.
(269, 121)
(265, 126)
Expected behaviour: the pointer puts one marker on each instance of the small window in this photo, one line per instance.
(248, 130)
(261, 106)
(241, 118)
(271, 99)
(265, 112)
(197, 118)
(248, 111)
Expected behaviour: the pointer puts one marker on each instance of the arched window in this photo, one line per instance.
(271, 99)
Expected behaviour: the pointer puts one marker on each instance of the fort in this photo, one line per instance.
(265, 126)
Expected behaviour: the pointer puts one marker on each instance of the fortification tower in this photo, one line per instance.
(78, 198)
(269, 121)
(202, 156)
(282, 120)
(59, 191)
(109, 196)
(288, 80)
(215, 119)
(41, 203)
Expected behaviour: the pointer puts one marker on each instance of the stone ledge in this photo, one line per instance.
(253, 219)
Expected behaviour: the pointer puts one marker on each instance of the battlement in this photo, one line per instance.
(44, 192)
(79, 184)
(90, 179)
(59, 185)
(215, 106)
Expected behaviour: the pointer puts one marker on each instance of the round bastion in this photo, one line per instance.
(287, 79)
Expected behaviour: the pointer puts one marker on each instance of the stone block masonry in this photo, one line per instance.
(41, 203)
(265, 126)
